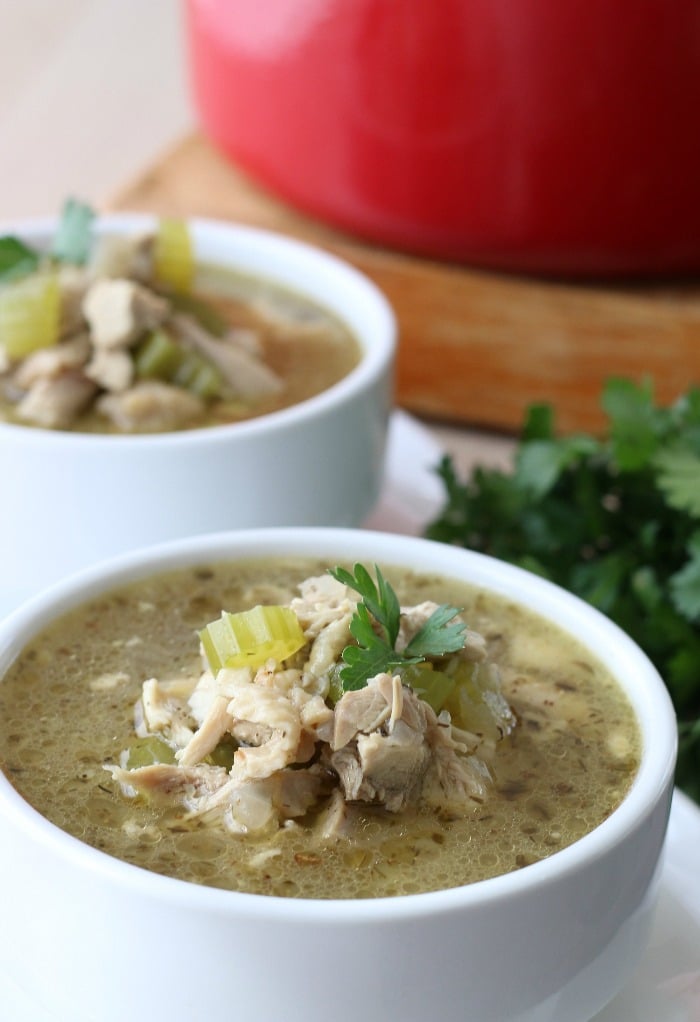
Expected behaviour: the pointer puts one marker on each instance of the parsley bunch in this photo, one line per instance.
(615, 519)
(375, 627)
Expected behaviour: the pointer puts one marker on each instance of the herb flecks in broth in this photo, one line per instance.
(129, 334)
(67, 708)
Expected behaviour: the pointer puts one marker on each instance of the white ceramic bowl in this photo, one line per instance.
(69, 499)
(88, 937)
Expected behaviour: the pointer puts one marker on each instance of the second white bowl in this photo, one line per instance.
(70, 499)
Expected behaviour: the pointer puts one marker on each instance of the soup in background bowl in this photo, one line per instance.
(565, 930)
(90, 490)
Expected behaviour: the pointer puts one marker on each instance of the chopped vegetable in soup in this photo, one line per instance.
(330, 734)
(129, 334)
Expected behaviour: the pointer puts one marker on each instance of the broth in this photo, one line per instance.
(66, 709)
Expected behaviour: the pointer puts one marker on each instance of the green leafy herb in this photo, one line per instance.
(73, 238)
(375, 627)
(615, 519)
(16, 259)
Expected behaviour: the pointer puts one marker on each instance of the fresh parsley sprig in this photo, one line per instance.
(615, 519)
(73, 238)
(375, 627)
(71, 244)
(16, 259)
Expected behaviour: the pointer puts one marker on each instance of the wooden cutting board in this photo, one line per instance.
(475, 347)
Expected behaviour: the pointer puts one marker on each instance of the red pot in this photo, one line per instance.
(556, 136)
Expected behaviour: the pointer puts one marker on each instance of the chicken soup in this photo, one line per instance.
(122, 334)
(299, 729)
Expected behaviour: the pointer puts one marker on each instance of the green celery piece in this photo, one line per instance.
(335, 685)
(162, 358)
(224, 752)
(173, 255)
(158, 356)
(30, 310)
(186, 370)
(206, 382)
(16, 259)
(433, 687)
(196, 374)
(73, 238)
(476, 702)
(251, 637)
(147, 751)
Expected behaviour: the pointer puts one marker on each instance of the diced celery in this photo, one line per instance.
(251, 637)
(173, 255)
(187, 369)
(160, 357)
(157, 357)
(197, 375)
(149, 750)
(30, 311)
(222, 754)
(335, 685)
(434, 687)
(476, 702)
(206, 382)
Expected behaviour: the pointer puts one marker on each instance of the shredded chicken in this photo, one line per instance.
(245, 374)
(118, 311)
(54, 401)
(293, 751)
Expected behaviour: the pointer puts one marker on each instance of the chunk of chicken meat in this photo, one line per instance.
(278, 724)
(245, 805)
(50, 363)
(164, 709)
(149, 407)
(55, 401)
(118, 311)
(323, 600)
(111, 368)
(385, 741)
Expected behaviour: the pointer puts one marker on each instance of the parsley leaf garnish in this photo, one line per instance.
(375, 627)
(73, 238)
(71, 243)
(16, 258)
(613, 518)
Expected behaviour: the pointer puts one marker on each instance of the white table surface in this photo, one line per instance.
(91, 93)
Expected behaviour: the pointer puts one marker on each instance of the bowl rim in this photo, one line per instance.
(376, 359)
(653, 708)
